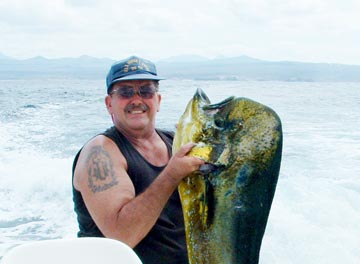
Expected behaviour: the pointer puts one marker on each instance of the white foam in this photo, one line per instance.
(312, 221)
(35, 197)
(316, 210)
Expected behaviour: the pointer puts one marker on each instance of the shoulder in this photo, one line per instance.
(100, 150)
(99, 142)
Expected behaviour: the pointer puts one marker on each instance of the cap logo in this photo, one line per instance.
(136, 64)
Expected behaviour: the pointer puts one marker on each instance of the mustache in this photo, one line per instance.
(137, 107)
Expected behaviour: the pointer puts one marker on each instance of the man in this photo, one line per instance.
(125, 179)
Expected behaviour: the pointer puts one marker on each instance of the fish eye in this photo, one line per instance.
(219, 123)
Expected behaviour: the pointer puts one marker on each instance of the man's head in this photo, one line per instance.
(132, 68)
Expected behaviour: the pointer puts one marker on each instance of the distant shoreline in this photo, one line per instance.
(241, 68)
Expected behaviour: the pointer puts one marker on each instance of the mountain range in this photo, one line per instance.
(183, 67)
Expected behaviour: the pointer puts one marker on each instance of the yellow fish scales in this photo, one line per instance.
(227, 202)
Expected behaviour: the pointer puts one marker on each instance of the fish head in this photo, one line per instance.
(230, 131)
(208, 125)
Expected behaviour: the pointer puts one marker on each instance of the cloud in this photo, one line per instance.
(308, 30)
(36, 16)
(81, 3)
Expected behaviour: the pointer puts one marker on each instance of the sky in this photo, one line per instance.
(276, 30)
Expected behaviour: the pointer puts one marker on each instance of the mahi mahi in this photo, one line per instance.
(226, 203)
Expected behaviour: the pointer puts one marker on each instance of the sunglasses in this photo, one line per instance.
(127, 92)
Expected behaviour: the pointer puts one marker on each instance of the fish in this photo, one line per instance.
(226, 203)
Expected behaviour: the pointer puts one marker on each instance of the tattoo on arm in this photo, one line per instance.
(101, 174)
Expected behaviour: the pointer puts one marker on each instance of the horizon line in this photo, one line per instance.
(174, 58)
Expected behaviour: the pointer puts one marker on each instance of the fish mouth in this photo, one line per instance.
(217, 106)
(200, 96)
(203, 100)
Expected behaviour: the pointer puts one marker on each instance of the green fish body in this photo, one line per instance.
(227, 202)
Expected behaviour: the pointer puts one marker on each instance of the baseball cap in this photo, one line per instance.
(132, 68)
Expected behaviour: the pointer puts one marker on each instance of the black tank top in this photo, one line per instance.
(165, 242)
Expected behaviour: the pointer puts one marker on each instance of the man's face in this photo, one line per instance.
(133, 104)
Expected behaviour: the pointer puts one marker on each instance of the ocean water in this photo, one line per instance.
(316, 209)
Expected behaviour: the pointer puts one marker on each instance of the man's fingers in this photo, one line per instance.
(186, 149)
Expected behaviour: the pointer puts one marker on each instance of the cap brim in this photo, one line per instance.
(142, 76)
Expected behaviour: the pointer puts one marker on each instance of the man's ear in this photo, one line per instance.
(108, 104)
(159, 101)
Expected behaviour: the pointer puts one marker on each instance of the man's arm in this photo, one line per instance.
(109, 193)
